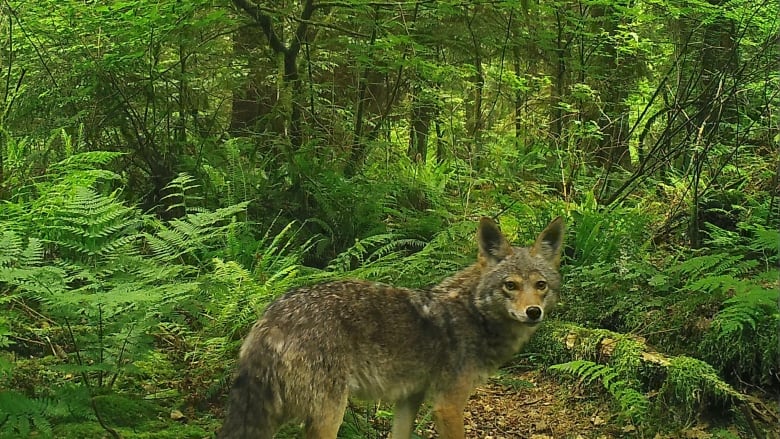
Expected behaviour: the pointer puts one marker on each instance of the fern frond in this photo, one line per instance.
(86, 160)
(93, 225)
(33, 254)
(191, 234)
(180, 194)
(83, 169)
(279, 252)
(14, 253)
(633, 404)
(714, 283)
(764, 241)
(362, 249)
(379, 257)
(751, 304)
(718, 263)
(22, 415)
(22, 267)
(10, 248)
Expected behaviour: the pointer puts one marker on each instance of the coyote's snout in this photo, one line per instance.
(317, 345)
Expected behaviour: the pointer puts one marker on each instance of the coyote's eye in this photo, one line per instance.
(541, 285)
(510, 285)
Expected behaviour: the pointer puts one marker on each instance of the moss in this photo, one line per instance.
(150, 429)
(692, 385)
(123, 411)
(547, 345)
(627, 359)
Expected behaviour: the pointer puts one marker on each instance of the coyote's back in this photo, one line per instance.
(317, 345)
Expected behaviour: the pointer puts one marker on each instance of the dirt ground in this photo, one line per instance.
(529, 404)
(532, 405)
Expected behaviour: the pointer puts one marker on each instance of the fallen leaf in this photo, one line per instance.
(177, 415)
(597, 420)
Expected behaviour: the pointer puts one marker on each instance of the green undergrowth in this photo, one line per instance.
(717, 303)
(113, 318)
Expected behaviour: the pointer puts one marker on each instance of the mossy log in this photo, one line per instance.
(680, 381)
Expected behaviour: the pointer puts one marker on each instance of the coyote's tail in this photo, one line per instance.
(249, 413)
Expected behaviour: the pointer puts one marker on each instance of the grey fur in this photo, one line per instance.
(317, 345)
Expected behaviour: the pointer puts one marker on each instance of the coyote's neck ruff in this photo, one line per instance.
(317, 345)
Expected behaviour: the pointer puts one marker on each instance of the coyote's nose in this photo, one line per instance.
(533, 312)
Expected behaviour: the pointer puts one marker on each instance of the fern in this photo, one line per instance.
(750, 304)
(405, 261)
(181, 194)
(10, 247)
(373, 250)
(712, 265)
(230, 299)
(633, 404)
(22, 268)
(236, 295)
(241, 175)
(83, 161)
(192, 235)
(640, 380)
(83, 270)
(743, 336)
(604, 236)
(740, 283)
(83, 169)
(93, 226)
(20, 415)
(79, 259)
(279, 261)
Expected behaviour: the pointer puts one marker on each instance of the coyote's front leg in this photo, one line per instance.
(448, 408)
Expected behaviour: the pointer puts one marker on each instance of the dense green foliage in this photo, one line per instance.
(167, 168)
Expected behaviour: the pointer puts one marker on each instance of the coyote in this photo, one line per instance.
(317, 345)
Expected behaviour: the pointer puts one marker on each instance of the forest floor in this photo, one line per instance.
(518, 403)
(533, 405)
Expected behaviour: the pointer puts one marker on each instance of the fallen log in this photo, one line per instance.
(656, 374)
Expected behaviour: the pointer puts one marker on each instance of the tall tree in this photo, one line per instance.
(288, 50)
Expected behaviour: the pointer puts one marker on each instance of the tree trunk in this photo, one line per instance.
(358, 142)
(612, 148)
(713, 105)
(289, 51)
(474, 117)
(441, 151)
(519, 96)
(254, 99)
(556, 114)
(420, 124)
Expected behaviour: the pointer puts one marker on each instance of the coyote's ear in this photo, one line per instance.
(493, 247)
(550, 242)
